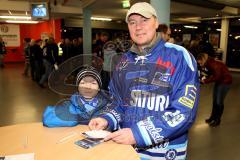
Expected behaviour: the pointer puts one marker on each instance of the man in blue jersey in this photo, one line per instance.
(155, 92)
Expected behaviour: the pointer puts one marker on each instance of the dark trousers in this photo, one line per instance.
(105, 79)
(219, 93)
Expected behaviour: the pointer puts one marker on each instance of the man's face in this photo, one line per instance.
(142, 30)
(88, 87)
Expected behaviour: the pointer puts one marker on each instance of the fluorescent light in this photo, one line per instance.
(219, 30)
(192, 27)
(101, 19)
(15, 17)
(125, 4)
(13, 21)
(237, 37)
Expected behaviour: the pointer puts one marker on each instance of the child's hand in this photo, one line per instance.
(98, 124)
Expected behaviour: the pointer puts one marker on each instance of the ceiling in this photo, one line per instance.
(181, 10)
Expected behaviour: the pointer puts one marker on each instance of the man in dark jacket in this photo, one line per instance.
(221, 76)
(50, 60)
(2, 52)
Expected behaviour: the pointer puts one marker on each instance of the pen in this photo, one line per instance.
(66, 138)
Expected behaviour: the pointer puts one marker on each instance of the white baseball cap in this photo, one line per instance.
(142, 8)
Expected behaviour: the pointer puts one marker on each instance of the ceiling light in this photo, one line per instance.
(101, 19)
(215, 22)
(219, 30)
(192, 27)
(237, 37)
(15, 21)
(15, 17)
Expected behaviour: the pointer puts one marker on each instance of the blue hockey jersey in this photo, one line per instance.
(156, 96)
(74, 111)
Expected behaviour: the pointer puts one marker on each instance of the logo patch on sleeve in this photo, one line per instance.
(188, 99)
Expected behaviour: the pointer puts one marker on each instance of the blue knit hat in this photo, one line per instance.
(89, 71)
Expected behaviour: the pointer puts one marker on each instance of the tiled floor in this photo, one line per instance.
(22, 100)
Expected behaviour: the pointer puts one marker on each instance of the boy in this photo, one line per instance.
(82, 106)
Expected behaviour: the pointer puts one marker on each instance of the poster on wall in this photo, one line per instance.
(10, 34)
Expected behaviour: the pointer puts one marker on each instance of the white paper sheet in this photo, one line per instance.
(28, 156)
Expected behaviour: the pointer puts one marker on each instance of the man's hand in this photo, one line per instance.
(122, 136)
(98, 124)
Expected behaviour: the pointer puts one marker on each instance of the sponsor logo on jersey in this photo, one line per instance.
(152, 130)
(113, 112)
(161, 79)
(166, 64)
(149, 100)
(173, 118)
(171, 154)
(142, 80)
(189, 97)
(136, 74)
(123, 64)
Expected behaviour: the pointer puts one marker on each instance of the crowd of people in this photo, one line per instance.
(41, 57)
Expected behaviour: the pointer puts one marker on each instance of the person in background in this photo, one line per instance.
(154, 92)
(67, 49)
(206, 47)
(80, 45)
(88, 102)
(194, 48)
(219, 74)
(38, 60)
(32, 58)
(98, 47)
(164, 31)
(3, 51)
(26, 43)
(60, 50)
(50, 60)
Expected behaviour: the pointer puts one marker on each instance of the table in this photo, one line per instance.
(58, 144)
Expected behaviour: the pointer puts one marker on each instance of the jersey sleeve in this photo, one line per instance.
(113, 113)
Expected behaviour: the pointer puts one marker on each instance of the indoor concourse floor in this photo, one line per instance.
(23, 101)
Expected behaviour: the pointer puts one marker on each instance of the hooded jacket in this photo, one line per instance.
(74, 111)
